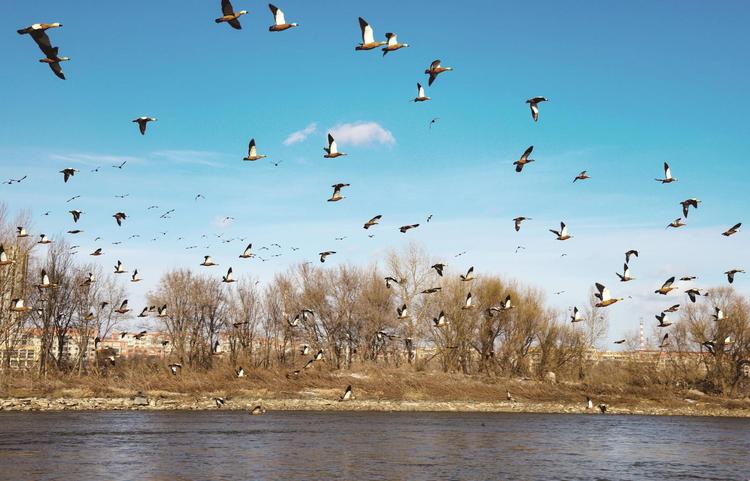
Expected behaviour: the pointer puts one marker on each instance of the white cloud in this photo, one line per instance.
(362, 133)
(301, 135)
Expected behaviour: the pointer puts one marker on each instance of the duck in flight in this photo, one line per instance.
(332, 151)
(686, 204)
(675, 224)
(142, 122)
(279, 22)
(336, 196)
(252, 152)
(732, 230)
(38, 33)
(208, 262)
(524, 159)
(730, 274)
(393, 44)
(434, 70)
(68, 173)
(625, 276)
(668, 179)
(421, 97)
(229, 16)
(517, 222)
(372, 222)
(667, 287)
(582, 176)
(562, 234)
(368, 37)
(325, 254)
(534, 106)
(604, 296)
(405, 228)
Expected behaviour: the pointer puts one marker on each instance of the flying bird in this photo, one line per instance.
(252, 152)
(119, 217)
(517, 222)
(604, 296)
(373, 221)
(576, 316)
(119, 268)
(732, 230)
(404, 228)
(123, 309)
(666, 287)
(38, 33)
(435, 69)
(208, 262)
(667, 175)
(625, 276)
(562, 234)
(325, 254)
(142, 122)
(76, 214)
(336, 196)
(229, 16)
(393, 44)
(421, 97)
(279, 22)
(440, 320)
(672, 308)
(402, 312)
(438, 268)
(663, 321)
(582, 176)
(68, 173)
(469, 275)
(534, 106)
(693, 293)
(676, 223)
(730, 274)
(228, 278)
(247, 252)
(368, 37)
(524, 159)
(332, 151)
(686, 204)
(718, 314)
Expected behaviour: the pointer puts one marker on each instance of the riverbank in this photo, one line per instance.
(185, 403)
(380, 390)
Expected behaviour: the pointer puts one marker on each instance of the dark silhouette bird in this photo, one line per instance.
(68, 173)
(732, 230)
(142, 122)
(534, 106)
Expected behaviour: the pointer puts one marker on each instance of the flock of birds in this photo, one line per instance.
(38, 32)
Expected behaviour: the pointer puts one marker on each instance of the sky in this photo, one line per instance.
(630, 85)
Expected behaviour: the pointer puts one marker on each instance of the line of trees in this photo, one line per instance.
(354, 316)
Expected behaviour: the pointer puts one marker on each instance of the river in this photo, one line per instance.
(232, 445)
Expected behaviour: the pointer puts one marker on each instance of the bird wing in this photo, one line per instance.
(420, 90)
(526, 153)
(563, 229)
(251, 150)
(667, 171)
(235, 24)
(226, 7)
(43, 42)
(435, 64)
(392, 39)
(669, 283)
(277, 14)
(141, 126)
(368, 35)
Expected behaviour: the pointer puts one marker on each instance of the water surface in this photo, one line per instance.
(232, 445)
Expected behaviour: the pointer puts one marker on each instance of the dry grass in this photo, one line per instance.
(371, 382)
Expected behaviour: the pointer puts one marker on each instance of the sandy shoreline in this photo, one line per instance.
(38, 404)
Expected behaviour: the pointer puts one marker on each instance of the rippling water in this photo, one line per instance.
(232, 445)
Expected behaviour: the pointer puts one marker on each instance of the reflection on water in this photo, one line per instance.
(224, 445)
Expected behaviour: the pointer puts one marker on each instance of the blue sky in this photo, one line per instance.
(630, 86)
